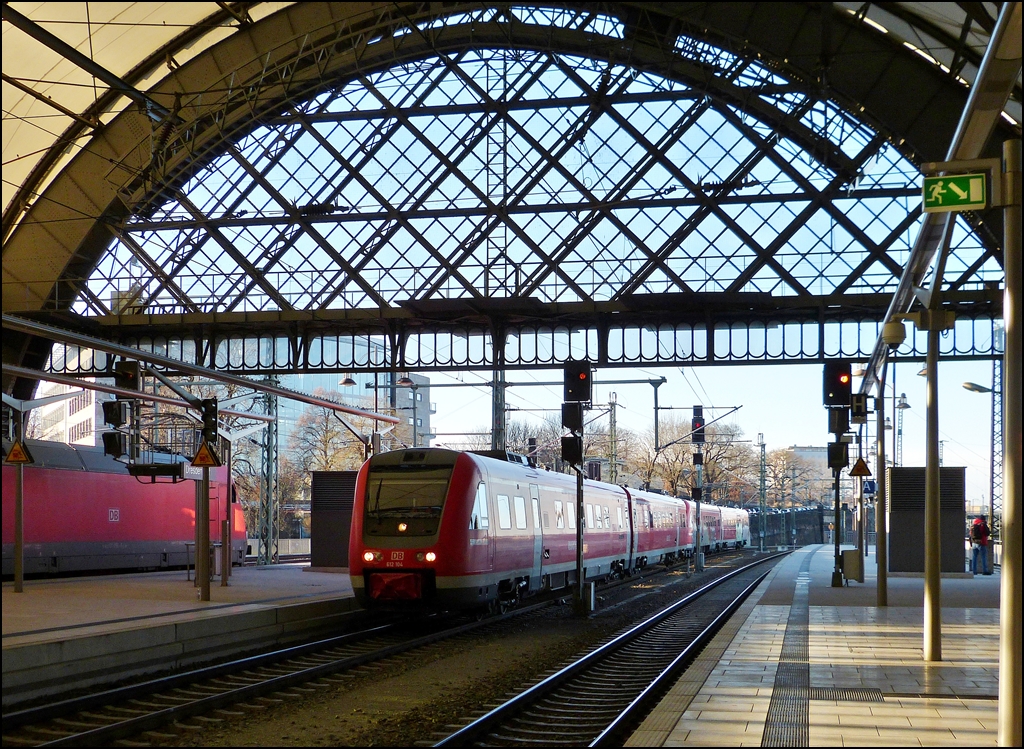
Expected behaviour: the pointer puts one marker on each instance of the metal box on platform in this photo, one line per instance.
(906, 519)
(332, 494)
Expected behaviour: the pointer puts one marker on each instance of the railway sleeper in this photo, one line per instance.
(79, 724)
(541, 729)
(556, 739)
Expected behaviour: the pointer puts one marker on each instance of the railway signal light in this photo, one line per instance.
(577, 381)
(838, 455)
(114, 443)
(838, 383)
(572, 450)
(697, 425)
(209, 409)
(115, 413)
(572, 417)
(838, 420)
(127, 376)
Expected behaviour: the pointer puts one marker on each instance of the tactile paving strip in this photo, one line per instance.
(847, 694)
(787, 722)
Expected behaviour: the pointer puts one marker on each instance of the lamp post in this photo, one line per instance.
(996, 459)
(406, 381)
(901, 406)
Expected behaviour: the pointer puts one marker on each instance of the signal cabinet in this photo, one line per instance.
(906, 519)
(332, 495)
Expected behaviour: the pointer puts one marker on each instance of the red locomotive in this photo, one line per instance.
(456, 529)
(83, 513)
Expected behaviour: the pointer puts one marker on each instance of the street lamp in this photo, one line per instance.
(901, 406)
(406, 381)
(976, 388)
(347, 381)
(995, 470)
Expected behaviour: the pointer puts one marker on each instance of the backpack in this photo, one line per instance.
(977, 534)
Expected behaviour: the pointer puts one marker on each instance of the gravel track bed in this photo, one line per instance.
(413, 698)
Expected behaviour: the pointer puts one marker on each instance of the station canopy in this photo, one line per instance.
(344, 169)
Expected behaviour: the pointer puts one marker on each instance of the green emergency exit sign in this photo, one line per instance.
(958, 192)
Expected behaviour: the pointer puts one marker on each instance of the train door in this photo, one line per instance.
(536, 577)
(631, 519)
(677, 516)
(480, 555)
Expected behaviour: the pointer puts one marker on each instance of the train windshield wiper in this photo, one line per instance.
(410, 511)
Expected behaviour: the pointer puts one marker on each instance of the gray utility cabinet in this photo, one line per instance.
(332, 494)
(906, 519)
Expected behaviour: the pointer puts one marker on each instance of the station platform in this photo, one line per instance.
(804, 664)
(87, 631)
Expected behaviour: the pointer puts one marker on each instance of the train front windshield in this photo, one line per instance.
(405, 500)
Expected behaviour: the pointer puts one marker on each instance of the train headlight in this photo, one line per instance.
(367, 556)
(431, 556)
(403, 527)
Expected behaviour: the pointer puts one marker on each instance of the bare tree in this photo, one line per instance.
(675, 459)
(321, 442)
(727, 461)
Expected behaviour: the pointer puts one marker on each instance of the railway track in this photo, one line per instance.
(598, 699)
(229, 689)
(143, 712)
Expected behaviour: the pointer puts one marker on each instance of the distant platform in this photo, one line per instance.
(81, 631)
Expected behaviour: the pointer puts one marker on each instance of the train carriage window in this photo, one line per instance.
(478, 520)
(590, 517)
(618, 511)
(570, 512)
(504, 514)
(607, 517)
(520, 507)
(559, 515)
(547, 522)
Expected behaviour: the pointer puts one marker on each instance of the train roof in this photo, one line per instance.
(62, 456)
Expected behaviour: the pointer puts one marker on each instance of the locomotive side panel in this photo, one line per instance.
(78, 520)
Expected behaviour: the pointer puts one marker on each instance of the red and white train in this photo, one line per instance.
(83, 512)
(452, 529)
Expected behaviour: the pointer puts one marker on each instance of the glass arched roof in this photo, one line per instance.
(517, 173)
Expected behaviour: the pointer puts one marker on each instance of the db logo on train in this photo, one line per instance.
(396, 559)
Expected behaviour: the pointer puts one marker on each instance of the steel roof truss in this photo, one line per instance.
(164, 281)
(235, 255)
(308, 228)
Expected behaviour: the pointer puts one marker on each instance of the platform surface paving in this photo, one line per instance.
(805, 664)
(53, 609)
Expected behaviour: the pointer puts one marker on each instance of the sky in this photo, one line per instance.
(781, 401)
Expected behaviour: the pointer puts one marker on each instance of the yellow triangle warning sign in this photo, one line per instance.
(206, 457)
(19, 454)
(860, 468)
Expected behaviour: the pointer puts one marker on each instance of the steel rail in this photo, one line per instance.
(15, 720)
(159, 715)
(642, 703)
(484, 725)
(19, 718)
